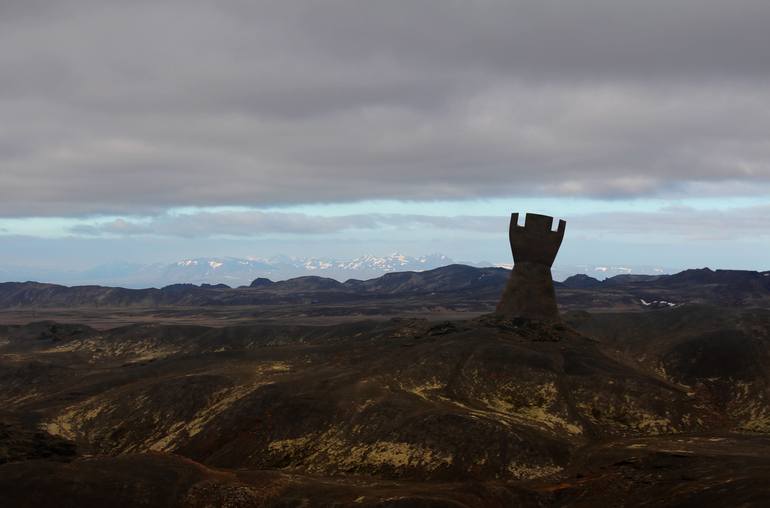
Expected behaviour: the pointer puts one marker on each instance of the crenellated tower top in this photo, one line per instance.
(535, 241)
(530, 293)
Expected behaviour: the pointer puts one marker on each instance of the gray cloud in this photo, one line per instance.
(256, 223)
(135, 107)
(673, 224)
(680, 224)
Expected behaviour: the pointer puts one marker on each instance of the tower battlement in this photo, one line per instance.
(535, 241)
(530, 293)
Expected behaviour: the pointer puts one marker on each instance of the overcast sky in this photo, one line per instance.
(329, 127)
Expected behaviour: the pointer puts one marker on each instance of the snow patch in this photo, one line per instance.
(657, 303)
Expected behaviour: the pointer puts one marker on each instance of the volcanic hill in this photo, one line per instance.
(661, 408)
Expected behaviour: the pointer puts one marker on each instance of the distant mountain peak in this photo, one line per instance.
(241, 271)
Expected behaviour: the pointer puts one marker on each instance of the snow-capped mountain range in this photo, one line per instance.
(241, 271)
(230, 270)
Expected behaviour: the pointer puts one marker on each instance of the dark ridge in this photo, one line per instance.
(171, 287)
(580, 281)
(708, 276)
(453, 283)
(308, 283)
(446, 278)
(630, 278)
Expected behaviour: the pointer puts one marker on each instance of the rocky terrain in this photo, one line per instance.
(669, 406)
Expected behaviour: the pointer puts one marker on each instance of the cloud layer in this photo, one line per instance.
(257, 223)
(137, 107)
(676, 224)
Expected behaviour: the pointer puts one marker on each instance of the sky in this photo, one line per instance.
(155, 130)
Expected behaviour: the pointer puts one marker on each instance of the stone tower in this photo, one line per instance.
(529, 293)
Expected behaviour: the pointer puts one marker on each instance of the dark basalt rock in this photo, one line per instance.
(20, 443)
